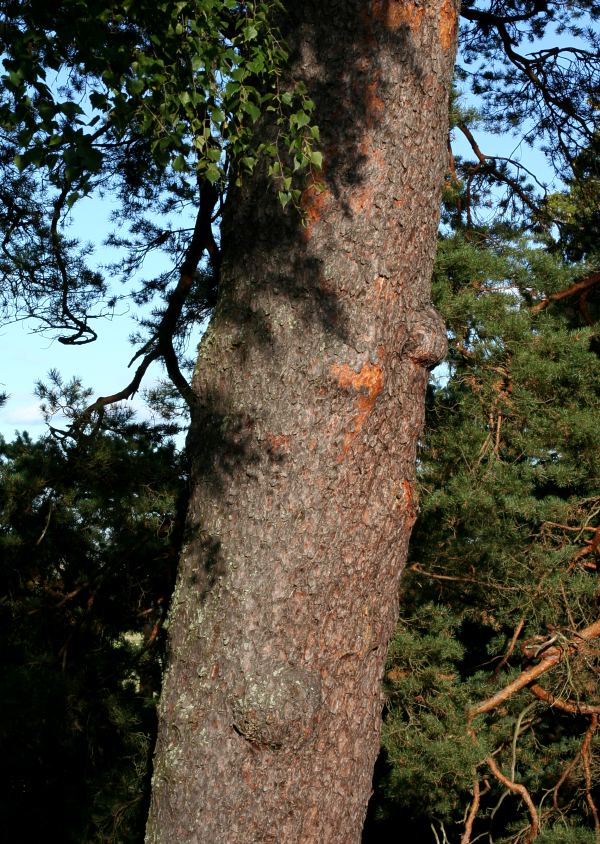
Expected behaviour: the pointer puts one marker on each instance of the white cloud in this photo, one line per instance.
(28, 414)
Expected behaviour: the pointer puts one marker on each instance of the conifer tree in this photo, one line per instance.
(493, 701)
(89, 535)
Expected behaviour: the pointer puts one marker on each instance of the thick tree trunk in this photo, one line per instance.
(310, 384)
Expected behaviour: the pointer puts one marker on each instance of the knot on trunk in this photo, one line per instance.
(427, 342)
(277, 705)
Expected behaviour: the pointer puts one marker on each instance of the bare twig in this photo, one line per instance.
(517, 788)
(474, 808)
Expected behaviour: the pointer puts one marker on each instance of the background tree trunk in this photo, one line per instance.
(310, 386)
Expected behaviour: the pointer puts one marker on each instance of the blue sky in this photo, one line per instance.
(102, 365)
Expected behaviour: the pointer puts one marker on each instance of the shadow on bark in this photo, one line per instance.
(271, 270)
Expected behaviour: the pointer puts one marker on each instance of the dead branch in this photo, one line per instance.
(553, 656)
(416, 567)
(474, 808)
(517, 788)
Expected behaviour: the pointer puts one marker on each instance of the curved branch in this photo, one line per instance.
(473, 809)
(519, 789)
(161, 345)
(585, 758)
(570, 706)
(554, 655)
(202, 239)
(573, 289)
(83, 328)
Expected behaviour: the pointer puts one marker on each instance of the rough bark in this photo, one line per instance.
(310, 389)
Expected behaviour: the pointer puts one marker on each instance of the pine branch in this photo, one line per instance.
(572, 290)
(488, 162)
(572, 707)
(554, 656)
(517, 788)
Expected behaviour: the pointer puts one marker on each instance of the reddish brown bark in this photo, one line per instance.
(310, 389)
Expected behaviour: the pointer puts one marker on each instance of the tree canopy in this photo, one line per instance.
(157, 105)
(89, 538)
(154, 105)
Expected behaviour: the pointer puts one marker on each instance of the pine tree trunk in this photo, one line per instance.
(310, 385)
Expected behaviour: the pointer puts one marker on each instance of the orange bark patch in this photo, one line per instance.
(374, 105)
(385, 289)
(313, 202)
(278, 444)
(396, 13)
(447, 24)
(408, 495)
(407, 501)
(367, 384)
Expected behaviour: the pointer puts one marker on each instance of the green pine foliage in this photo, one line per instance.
(506, 541)
(88, 547)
